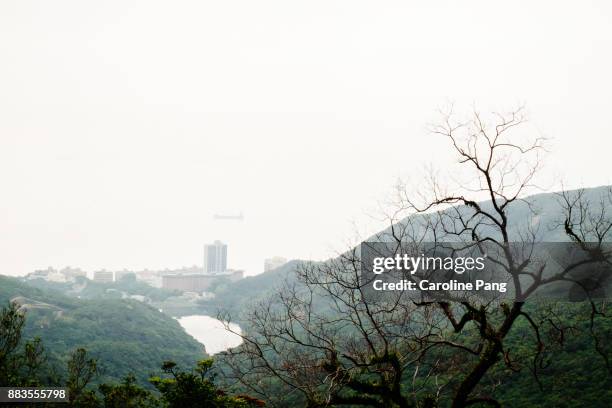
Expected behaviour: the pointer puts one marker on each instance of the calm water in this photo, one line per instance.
(210, 332)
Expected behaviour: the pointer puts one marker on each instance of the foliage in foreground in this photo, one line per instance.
(121, 334)
(24, 364)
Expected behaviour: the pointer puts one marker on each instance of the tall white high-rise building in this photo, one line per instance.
(215, 258)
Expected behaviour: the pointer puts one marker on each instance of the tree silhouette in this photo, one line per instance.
(323, 341)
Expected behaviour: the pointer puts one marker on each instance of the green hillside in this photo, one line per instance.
(540, 212)
(575, 373)
(238, 297)
(126, 336)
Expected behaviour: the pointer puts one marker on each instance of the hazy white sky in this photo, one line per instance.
(125, 125)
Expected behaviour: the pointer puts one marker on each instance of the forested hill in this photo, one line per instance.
(541, 212)
(124, 335)
(555, 357)
(237, 297)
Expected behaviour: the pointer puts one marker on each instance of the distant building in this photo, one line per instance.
(215, 258)
(152, 278)
(50, 274)
(119, 275)
(103, 276)
(72, 273)
(188, 270)
(41, 273)
(273, 263)
(198, 282)
(188, 282)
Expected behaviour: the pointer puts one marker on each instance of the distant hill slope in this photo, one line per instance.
(574, 375)
(542, 212)
(125, 335)
(238, 297)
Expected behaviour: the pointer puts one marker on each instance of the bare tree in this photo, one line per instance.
(323, 341)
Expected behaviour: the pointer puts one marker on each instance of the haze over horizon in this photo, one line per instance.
(125, 126)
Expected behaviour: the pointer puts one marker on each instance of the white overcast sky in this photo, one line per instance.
(125, 125)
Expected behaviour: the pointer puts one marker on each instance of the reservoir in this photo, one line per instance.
(210, 332)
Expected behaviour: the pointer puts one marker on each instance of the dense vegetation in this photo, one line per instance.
(300, 352)
(127, 342)
(240, 295)
(23, 363)
(573, 374)
(123, 335)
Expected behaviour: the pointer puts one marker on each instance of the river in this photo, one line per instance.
(210, 332)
